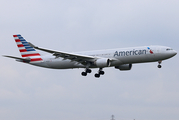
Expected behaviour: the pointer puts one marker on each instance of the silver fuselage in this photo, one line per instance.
(120, 56)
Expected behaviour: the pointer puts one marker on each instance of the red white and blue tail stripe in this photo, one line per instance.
(26, 50)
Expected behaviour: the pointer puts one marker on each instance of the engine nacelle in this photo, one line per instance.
(124, 67)
(103, 62)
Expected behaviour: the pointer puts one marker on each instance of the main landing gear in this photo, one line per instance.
(159, 66)
(100, 72)
(86, 71)
(97, 75)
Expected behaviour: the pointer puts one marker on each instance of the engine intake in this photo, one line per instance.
(102, 62)
(124, 67)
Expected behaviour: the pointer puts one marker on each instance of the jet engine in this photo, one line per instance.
(102, 62)
(124, 67)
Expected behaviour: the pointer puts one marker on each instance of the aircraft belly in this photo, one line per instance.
(163, 56)
(63, 64)
(129, 59)
(137, 59)
(116, 63)
(40, 64)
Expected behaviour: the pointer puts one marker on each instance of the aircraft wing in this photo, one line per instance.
(18, 59)
(84, 59)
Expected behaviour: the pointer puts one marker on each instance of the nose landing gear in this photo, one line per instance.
(159, 66)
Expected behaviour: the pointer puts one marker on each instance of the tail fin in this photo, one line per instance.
(26, 50)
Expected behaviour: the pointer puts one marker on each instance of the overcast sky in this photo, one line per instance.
(144, 93)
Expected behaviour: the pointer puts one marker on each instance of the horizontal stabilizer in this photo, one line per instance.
(19, 59)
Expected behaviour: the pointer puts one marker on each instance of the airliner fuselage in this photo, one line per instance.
(121, 55)
(120, 58)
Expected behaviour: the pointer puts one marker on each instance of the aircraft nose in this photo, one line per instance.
(174, 52)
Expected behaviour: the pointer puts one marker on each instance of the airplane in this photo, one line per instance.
(119, 58)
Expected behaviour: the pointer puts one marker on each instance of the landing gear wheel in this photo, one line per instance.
(97, 75)
(83, 73)
(88, 70)
(101, 72)
(159, 66)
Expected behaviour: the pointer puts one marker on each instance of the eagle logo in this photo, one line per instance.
(150, 50)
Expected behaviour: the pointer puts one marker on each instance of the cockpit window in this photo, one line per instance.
(169, 49)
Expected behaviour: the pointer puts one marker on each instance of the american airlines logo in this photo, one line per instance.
(150, 50)
(129, 53)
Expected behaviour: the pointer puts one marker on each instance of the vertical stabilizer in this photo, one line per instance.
(26, 50)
